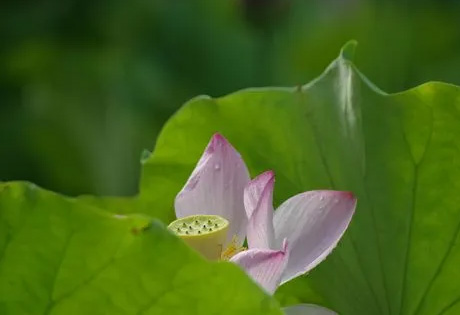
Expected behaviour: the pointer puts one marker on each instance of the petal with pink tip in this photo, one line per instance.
(216, 186)
(258, 202)
(264, 266)
(307, 309)
(313, 223)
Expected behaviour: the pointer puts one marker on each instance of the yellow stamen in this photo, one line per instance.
(232, 249)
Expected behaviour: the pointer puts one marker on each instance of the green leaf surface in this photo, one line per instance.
(399, 153)
(59, 256)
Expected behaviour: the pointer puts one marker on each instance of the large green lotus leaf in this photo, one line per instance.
(399, 153)
(60, 257)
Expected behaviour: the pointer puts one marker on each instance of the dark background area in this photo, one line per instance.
(86, 85)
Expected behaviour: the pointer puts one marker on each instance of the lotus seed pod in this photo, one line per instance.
(196, 232)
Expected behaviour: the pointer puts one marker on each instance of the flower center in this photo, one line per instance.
(205, 233)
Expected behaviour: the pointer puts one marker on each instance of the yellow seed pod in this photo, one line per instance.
(205, 233)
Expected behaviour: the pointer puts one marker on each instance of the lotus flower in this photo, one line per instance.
(220, 206)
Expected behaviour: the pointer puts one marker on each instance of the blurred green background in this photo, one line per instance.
(86, 85)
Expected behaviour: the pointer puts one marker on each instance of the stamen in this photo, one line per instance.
(232, 249)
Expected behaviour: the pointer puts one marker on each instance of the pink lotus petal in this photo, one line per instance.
(264, 266)
(216, 186)
(258, 202)
(307, 309)
(313, 222)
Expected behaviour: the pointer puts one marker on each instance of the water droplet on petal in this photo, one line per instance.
(217, 167)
